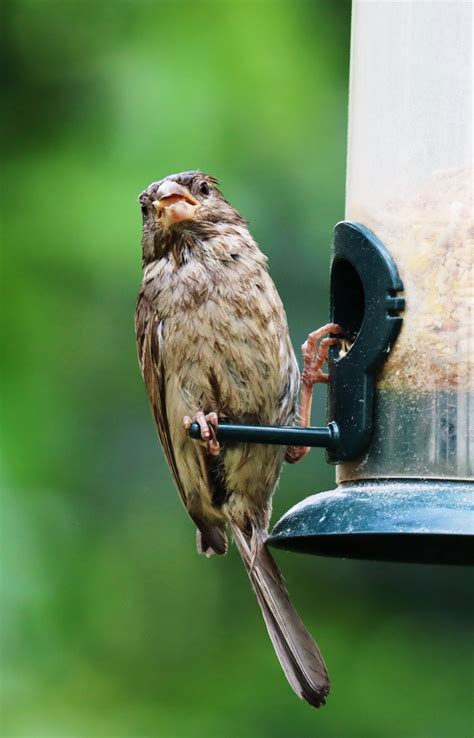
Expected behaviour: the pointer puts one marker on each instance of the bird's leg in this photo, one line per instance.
(315, 352)
(208, 425)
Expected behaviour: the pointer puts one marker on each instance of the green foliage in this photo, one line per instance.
(112, 625)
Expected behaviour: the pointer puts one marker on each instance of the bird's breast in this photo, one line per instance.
(225, 339)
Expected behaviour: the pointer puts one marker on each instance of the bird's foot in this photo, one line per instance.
(208, 425)
(315, 353)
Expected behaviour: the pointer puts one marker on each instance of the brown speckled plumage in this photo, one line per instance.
(212, 335)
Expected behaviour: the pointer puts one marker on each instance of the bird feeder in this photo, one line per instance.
(400, 399)
(402, 283)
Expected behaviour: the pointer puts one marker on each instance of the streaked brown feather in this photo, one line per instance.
(149, 333)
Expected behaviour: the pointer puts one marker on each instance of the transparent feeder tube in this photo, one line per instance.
(410, 180)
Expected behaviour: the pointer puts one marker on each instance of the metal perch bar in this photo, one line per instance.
(272, 434)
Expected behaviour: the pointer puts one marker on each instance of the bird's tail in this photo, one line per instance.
(297, 652)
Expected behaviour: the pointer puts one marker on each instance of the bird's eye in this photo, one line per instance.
(204, 188)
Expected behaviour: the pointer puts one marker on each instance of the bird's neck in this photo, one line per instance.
(222, 242)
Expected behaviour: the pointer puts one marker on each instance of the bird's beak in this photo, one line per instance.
(174, 203)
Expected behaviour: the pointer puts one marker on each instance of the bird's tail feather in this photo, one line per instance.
(296, 650)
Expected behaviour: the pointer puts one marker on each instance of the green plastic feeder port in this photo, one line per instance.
(405, 458)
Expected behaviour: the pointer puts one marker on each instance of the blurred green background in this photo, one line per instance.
(112, 626)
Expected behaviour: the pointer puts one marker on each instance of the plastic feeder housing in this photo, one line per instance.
(401, 408)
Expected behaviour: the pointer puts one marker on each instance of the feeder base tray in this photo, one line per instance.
(406, 520)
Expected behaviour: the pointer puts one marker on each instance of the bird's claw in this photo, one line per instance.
(315, 352)
(208, 425)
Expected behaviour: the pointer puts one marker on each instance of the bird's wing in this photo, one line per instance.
(149, 333)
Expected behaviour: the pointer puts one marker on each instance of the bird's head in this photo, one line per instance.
(182, 209)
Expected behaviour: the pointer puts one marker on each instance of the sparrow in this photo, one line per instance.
(213, 344)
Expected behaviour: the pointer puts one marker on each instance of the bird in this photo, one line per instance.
(213, 345)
